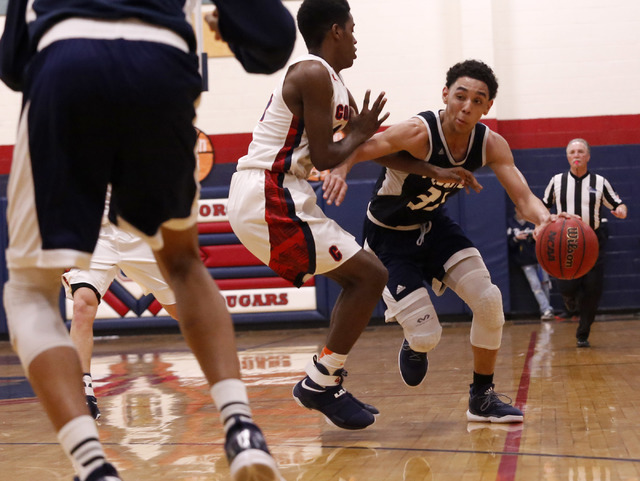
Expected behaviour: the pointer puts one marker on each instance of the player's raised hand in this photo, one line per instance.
(368, 121)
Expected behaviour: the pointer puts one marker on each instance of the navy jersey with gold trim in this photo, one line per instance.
(404, 200)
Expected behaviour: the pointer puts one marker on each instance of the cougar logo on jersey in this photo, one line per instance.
(335, 253)
(342, 112)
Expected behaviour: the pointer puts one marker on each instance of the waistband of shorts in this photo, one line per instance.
(127, 29)
(398, 227)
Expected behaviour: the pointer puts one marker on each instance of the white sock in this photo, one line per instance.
(230, 397)
(88, 384)
(79, 440)
(332, 361)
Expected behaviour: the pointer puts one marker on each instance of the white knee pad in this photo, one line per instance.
(418, 318)
(33, 314)
(473, 284)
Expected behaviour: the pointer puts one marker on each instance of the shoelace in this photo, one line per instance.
(492, 396)
(413, 355)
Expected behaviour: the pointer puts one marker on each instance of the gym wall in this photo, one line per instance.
(566, 69)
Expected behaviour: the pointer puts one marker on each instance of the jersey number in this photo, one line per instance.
(431, 200)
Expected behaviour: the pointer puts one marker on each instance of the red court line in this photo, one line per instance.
(509, 463)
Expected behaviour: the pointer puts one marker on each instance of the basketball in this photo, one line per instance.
(567, 248)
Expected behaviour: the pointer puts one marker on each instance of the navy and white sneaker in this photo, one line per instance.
(324, 392)
(106, 472)
(413, 365)
(92, 403)
(486, 406)
(247, 452)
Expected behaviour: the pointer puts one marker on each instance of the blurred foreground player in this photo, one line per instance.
(119, 79)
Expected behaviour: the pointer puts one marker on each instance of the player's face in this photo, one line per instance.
(348, 44)
(578, 156)
(467, 100)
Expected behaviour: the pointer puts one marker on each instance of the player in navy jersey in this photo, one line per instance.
(584, 193)
(407, 228)
(109, 92)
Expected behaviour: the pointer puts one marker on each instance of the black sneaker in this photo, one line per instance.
(247, 453)
(92, 402)
(486, 406)
(583, 343)
(106, 472)
(413, 365)
(338, 405)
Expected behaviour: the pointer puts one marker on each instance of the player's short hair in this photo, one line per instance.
(316, 17)
(582, 141)
(474, 69)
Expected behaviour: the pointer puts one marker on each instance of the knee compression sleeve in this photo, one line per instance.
(472, 282)
(418, 318)
(33, 314)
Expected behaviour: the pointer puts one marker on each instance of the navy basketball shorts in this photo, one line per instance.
(413, 262)
(99, 112)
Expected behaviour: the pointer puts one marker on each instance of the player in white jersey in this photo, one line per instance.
(116, 249)
(273, 211)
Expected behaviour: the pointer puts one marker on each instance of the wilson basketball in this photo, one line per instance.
(567, 248)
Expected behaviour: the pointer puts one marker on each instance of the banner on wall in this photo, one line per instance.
(247, 285)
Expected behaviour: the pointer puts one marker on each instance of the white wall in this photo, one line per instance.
(553, 58)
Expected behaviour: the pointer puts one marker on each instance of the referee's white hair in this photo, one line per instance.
(586, 144)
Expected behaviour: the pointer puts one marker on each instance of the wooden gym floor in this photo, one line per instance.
(582, 409)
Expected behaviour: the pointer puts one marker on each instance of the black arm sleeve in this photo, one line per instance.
(260, 33)
(15, 51)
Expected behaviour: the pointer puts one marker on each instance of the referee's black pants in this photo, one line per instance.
(586, 291)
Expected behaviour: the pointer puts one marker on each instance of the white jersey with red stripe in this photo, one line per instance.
(280, 141)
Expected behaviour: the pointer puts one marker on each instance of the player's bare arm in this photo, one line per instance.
(308, 93)
(500, 160)
(401, 147)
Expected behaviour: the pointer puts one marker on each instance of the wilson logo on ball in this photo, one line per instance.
(567, 248)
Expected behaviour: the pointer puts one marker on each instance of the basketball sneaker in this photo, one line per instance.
(324, 392)
(583, 343)
(413, 365)
(92, 402)
(106, 472)
(247, 452)
(548, 315)
(486, 406)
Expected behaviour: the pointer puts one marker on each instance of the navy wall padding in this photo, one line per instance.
(482, 216)
(620, 165)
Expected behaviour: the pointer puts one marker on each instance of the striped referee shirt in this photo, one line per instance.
(583, 196)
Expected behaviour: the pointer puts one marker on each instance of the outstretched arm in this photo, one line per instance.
(400, 147)
(500, 160)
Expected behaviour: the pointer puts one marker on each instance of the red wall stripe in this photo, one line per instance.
(228, 255)
(214, 228)
(257, 283)
(521, 134)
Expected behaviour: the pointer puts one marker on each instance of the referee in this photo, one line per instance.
(582, 193)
